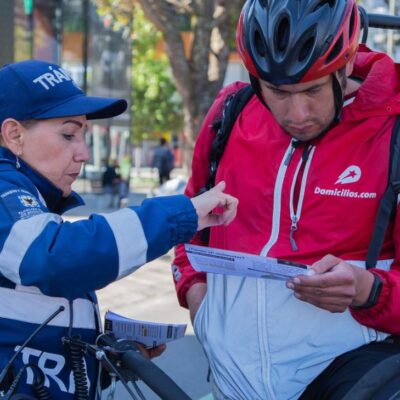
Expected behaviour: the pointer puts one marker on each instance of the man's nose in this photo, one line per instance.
(298, 110)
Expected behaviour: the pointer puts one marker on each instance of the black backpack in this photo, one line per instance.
(223, 125)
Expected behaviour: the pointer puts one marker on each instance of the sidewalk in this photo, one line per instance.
(96, 202)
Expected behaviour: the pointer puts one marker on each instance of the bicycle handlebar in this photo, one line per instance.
(383, 21)
(376, 21)
(132, 360)
(154, 377)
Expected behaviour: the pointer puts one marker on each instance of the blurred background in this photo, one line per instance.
(169, 59)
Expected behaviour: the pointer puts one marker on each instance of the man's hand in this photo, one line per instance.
(211, 199)
(194, 297)
(334, 286)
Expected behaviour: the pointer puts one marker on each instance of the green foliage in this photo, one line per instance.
(156, 105)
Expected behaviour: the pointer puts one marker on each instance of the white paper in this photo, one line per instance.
(217, 261)
(150, 334)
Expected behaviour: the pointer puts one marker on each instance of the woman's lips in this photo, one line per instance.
(74, 175)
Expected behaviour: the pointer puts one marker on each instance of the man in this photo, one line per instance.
(163, 160)
(110, 182)
(308, 160)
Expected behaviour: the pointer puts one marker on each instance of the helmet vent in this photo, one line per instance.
(306, 49)
(282, 34)
(352, 22)
(330, 3)
(259, 43)
(335, 51)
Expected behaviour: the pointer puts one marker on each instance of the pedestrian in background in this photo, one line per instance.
(110, 183)
(124, 180)
(163, 160)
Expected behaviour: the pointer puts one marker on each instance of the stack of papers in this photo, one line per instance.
(217, 261)
(150, 334)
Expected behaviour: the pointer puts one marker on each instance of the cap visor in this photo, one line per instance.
(92, 107)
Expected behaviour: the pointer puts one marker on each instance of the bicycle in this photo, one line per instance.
(121, 359)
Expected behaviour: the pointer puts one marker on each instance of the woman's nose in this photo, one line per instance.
(83, 153)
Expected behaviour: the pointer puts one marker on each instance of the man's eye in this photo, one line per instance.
(313, 91)
(278, 92)
(68, 136)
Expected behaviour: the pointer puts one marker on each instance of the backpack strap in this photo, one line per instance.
(233, 105)
(388, 203)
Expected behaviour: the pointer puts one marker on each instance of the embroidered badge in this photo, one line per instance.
(21, 204)
(28, 201)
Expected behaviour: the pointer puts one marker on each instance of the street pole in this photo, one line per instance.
(28, 8)
(58, 29)
(85, 58)
(390, 33)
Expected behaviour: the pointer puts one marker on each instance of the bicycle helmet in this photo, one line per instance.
(293, 41)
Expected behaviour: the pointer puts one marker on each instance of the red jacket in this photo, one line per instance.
(337, 217)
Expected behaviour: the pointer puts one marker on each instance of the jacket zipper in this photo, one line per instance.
(297, 192)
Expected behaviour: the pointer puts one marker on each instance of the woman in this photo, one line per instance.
(51, 267)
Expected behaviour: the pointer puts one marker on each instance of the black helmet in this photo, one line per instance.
(292, 41)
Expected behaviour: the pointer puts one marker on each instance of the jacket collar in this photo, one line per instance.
(52, 195)
(373, 98)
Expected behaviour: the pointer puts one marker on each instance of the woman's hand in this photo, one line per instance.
(152, 352)
(213, 198)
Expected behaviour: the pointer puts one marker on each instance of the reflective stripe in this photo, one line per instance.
(277, 203)
(26, 306)
(131, 240)
(21, 236)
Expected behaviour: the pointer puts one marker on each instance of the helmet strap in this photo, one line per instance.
(338, 98)
(255, 83)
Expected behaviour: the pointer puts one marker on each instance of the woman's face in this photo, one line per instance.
(56, 148)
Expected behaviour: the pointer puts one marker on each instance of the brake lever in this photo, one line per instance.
(114, 354)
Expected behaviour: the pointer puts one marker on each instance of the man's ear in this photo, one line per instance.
(12, 133)
(350, 66)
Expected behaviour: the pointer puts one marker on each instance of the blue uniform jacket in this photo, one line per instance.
(46, 263)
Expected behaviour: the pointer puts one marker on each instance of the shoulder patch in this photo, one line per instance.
(21, 204)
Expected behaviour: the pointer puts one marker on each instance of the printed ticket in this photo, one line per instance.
(150, 334)
(217, 261)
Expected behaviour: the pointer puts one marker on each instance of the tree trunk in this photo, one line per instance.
(199, 75)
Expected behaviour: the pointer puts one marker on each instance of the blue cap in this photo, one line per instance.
(36, 89)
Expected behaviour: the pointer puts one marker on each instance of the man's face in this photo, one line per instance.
(304, 110)
(56, 148)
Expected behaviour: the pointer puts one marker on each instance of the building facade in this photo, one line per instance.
(72, 34)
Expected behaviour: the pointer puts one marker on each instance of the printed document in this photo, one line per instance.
(150, 334)
(217, 261)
